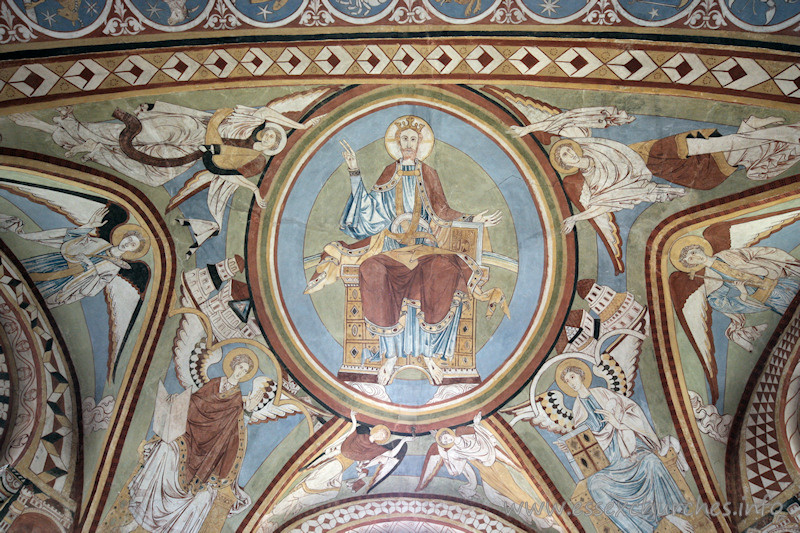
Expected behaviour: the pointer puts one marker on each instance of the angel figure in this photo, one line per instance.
(636, 490)
(159, 141)
(602, 176)
(100, 255)
(168, 131)
(473, 448)
(722, 271)
(238, 145)
(364, 446)
(635, 484)
(179, 481)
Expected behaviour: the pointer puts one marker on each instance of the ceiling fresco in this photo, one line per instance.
(386, 266)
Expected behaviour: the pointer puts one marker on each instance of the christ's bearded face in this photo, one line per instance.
(409, 144)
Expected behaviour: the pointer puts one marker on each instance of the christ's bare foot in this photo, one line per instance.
(683, 525)
(437, 374)
(386, 371)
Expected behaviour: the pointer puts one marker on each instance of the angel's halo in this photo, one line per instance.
(227, 363)
(577, 363)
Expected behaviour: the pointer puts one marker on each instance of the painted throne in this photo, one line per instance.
(465, 238)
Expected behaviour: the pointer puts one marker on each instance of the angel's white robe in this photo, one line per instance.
(162, 499)
(761, 261)
(83, 267)
(168, 131)
(618, 178)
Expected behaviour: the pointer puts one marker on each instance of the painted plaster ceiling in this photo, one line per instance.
(399, 265)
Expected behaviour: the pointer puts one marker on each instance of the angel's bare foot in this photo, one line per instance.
(386, 371)
(22, 119)
(437, 374)
(683, 525)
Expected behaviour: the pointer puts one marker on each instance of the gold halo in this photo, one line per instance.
(426, 137)
(120, 233)
(587, 375)
(380, 427)
(444, 431)
(565, 171)
(226, 363)
(684, 242)
(281, 138)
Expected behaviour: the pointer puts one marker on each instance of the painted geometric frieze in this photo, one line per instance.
(42, 450)
(648, 67)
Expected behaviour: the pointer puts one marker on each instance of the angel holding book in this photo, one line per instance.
(179, 481)
(189, 471)
(633, 486)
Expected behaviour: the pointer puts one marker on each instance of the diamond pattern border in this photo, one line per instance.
(503, 62)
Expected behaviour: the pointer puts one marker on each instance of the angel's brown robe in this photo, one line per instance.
(215, 436)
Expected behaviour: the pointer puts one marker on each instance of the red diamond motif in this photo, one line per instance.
(136, 71)
(181, 66)
(33, 80)
(373, 61)
(578, 63)
(333, 61)
(683, 69)
(294, 61)
(220, 63)
(86, 75)
(633, 65)
(407, 60)
(445, 60)
(485, 59)
(530, 60)
(737, 73)
(256, 61)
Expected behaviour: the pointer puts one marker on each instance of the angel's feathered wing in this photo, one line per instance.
(267, 409)
(619, 363)
(389, 465)
(749, 231)
(189, 344)
(605, 224)
(297, 102)
(694, 315)
(433, 462)
(78, 209)
(550, 413)
(197, 183)
(124, 297)
(533, 110)
(607, 229)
